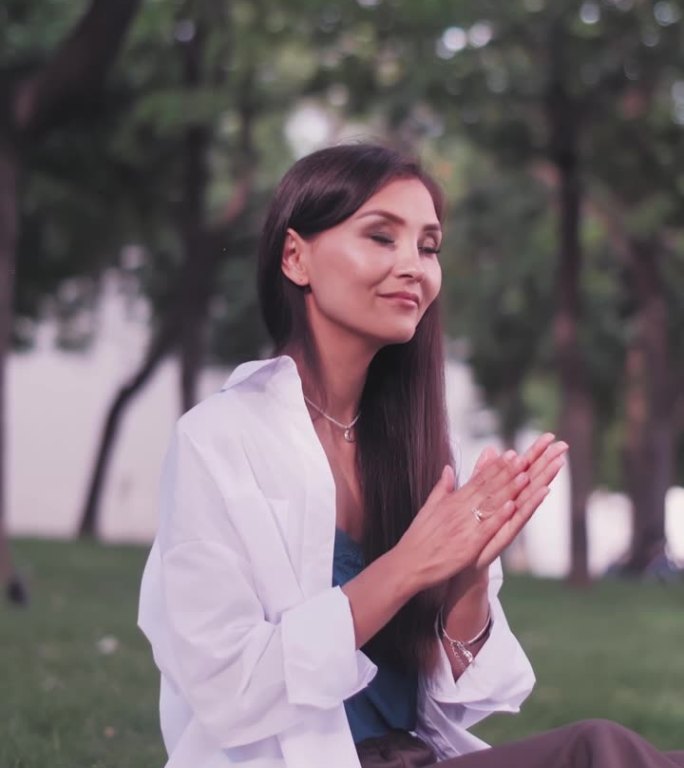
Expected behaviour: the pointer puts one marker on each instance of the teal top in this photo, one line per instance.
(390, 701)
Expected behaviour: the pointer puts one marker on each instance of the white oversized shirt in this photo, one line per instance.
(255, 646)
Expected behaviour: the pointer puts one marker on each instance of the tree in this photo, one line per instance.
(652, 260)
(220, 70)
(590, 125)
(36, 99)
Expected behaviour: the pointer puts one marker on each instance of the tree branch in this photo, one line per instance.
(78, 69)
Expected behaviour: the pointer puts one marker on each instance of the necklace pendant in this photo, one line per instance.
(347, 432)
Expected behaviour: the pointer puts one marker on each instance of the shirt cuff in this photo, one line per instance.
(322, 665)
(499, 678)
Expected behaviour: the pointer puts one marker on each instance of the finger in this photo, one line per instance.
(551, 453)
(543, 475)
(488, 527)
(526, 510)
(545, 479)
(490, 502)
(510, 528)
(539, 446)
(543, 452)
(540, 471)
(495, 475)
(488, 455)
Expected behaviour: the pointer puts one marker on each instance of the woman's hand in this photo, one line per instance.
(447, 544)
(446, 537)
(545, 458)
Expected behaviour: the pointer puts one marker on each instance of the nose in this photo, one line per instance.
(410, 264)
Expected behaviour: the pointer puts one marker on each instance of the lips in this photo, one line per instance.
(406, 295)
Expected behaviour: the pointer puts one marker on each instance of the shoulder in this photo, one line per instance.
(208, 483)
(211, 415)
(247, 390)
(250, 403)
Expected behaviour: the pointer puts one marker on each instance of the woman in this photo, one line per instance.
(309, 510)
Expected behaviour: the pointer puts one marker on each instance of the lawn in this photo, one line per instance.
(79, 689)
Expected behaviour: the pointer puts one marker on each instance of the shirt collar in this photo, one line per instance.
(277, 373)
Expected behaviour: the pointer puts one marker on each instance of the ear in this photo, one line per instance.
(294, 259)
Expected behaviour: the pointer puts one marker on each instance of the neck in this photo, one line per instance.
(343, 371)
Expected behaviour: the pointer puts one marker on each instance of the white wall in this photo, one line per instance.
(57, 405)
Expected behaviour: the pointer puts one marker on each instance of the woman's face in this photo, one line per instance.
(375, 274)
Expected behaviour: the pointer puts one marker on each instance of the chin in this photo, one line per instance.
(397, 335)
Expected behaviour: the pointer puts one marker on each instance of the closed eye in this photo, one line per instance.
(425, 250)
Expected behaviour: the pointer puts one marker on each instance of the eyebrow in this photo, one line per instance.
(398, 220)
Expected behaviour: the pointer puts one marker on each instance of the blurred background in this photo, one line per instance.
(139, 143)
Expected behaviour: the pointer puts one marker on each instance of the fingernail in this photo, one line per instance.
(510, 455)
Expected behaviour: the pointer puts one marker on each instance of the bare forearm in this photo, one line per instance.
(377, 593)
(381, 589)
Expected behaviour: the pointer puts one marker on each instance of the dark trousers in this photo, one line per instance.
(586, 744)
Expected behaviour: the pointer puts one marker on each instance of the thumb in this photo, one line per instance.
(445, 485)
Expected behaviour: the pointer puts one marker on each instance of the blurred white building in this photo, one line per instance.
(58, 401)
(57, 406)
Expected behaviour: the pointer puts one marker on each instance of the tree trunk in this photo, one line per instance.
(31, 107)
(576, 423)
(199, 265)
(651, 446)
(635, 427)
(196, 285)
(511, 410)
(73, 78)
(201, 246)
(160, 347)
(8, 237)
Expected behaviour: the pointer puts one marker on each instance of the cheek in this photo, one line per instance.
(431, 286)
(433, 280)
(342, 286)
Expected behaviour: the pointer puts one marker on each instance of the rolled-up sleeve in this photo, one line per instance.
(321, 663)
(499, 680)
(246, 672)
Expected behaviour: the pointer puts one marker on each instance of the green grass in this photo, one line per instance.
(615, 652)
(63, 703)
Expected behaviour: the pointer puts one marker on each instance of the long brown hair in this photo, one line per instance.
(402, 436)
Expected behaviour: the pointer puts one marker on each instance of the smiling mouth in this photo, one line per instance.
(409, 299)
